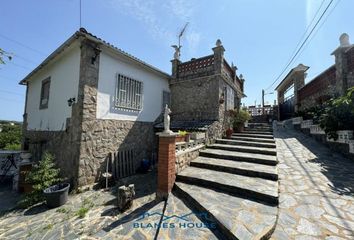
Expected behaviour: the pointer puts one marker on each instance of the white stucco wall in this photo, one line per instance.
(64, 73)
(153, 86)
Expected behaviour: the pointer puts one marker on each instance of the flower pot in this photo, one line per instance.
(187, 137)
(57, 195)
(229, 133)
(180, 138)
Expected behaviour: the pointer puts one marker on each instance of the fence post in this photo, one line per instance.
(166, 170)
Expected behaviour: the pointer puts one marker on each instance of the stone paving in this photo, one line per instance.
(316, 190)
(146, 219)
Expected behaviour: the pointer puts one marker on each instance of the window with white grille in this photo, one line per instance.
(129, 93)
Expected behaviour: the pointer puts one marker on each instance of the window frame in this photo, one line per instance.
(41, 104)
(169, 99)
(131, 90)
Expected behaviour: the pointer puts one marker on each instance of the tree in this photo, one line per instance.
(4, 54)
(10, 137)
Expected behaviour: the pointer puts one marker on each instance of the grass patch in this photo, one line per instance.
(48, 227)
(63, 210)
(81, 213)
(87, 204)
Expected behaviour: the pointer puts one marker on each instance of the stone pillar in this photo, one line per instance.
(341, 85)
(84, 111)
(166, 170)
(299, 82)
(218, 56)
(175, 63)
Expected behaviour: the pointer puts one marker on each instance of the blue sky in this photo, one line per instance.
(259, 36)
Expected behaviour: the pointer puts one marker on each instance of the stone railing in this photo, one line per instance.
(187, 151)
(306, 123)
(344, 136)
(316, 129)
(196, 65)
(297, 120)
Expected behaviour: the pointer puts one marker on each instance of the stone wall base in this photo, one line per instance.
(101, 137)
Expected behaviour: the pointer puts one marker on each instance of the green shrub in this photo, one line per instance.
(339, 115)
(43, 175)
(10, 137)
(240, 118)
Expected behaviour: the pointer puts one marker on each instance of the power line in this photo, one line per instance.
(307, 28)
(18, 65)
(313, 36)
(11, 92)
(23, 45)
(5, 77)
(10, 100)
(303, 43)
(25, 59)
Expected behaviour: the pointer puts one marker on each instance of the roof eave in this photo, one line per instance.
(61, 48)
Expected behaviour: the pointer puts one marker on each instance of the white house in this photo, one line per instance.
(89, 101)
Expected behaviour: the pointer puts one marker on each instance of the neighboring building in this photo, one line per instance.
(333, 82)
(259, 110)
(202, 90)
(88, 100)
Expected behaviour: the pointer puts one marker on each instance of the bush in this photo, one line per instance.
(42, 176)
(10, 137)
(339, 115)
(240, 118)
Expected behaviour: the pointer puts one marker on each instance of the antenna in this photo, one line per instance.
(180, 35)
(80, 13)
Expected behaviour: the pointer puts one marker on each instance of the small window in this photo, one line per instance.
(129, 93)
(45, 93)
(229, 98)
(166, 99)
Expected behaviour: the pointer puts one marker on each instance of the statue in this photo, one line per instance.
(177, 52)
(166, 120)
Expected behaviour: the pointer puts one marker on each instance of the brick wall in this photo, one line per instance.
(166, 170)
(318, 90)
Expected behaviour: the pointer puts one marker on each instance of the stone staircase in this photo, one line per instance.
(236, 182)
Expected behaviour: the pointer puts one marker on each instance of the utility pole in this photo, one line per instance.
(262, 101)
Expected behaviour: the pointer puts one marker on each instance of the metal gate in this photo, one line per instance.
(287, 109)
(123, 164)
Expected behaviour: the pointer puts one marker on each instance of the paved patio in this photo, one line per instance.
(316, 202)
(316, 190)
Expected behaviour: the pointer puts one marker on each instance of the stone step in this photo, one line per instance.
(242, 186)
(239, 156)
(266, 136)
(247, 149)
(235, 218)
(245, 143)
(258, 131)
(235, 167)
(253, 139)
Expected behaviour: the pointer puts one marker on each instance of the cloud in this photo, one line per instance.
(145, 12)
(181, 8)
(163, 20)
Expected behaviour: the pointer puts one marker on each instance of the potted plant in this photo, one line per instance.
(44, 178)
(229, 132)
(183, 136)
(57, 195)
(239, 120)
